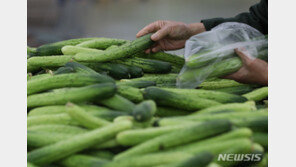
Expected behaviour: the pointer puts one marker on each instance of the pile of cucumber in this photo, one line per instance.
(102, 102)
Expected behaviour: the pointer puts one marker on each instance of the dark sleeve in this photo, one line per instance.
(257, 17)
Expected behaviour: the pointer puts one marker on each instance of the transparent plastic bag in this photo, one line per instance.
(207, 54)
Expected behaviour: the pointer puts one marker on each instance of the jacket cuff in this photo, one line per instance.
(211, 23)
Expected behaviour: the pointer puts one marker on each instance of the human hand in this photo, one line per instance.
(170, 35)
(253, 70)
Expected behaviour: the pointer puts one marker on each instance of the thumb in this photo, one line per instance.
(243, 54)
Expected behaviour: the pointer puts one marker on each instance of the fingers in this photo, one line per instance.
(243, 55)
(149, 29)
(154, 49)
(160, 34)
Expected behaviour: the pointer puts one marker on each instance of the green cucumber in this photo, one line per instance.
(117, 71)
(122, 51)
(137, 136)
(257, 94)
(131, 93)
(247, 106)
(84, 118)
(187, 135)
(167, 57)
(217, 83)
(47, 110)
(80, 68)
(64, 70)
(159, 79)
(144, 111)
(149, 160)
(76, 95)
(66, 129)
(171, 99)
(241, 133)
(80, 160)
(40, 139)
(239, 90)
(135, 72)
(104, 154)
(223, 68)
(55, 48)
(72, 50)
(148, 66)
(169, 112)
(257, 124)
(45, 62)
(136, 84)
(67, 147)
(58, 119)
(31, 51)
(118, 102)
(199, 160)
(108, 144)
(65, 80)
(31, 165)
(102, 43)
(208, 94)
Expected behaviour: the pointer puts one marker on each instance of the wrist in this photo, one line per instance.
(196, 28)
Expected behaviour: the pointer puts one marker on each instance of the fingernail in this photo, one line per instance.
(154, 36)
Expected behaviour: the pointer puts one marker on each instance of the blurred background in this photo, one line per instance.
(55, 20)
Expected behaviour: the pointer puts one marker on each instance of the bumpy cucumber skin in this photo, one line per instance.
(173, 59)
(148, 66)
(136, 84)
(64, 148)
(55, 48)
(170, 99)
(159, 79)
(144, 111)
(72, 50)
(200, 160)
(209, 94)
(102, 43)
(239, 90)
(170, 112)
(65, 80)
(79, 160)
(42, 62)
(82, 94)
(119, 103)
(122, 51)
(257, 94)
(131, 93)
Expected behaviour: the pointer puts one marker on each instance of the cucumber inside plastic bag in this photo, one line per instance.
(211, 54)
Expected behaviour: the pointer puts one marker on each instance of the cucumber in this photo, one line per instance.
(80, 68)
(117, 71)
(65, 80)
(136, 84)
(118, 102)
(144, 111)
(55, 48)
(47, 110)
(261, 138)
(149, 160)
(169, 112)
(167, 57)
(40, 139)
(241, 133)
(238, 107)
(159, 79)
(131, 93)
(59, 119)
(122, 51)
(102, 43)
(80, 160)
(223, 68)
(72, 50)
(65, 148)
(66, 129)
(199, 160)
(108, 144)
(257, 94)
(192, 133)
(239, 90)
(64, 70)
(135, 72)
(31, 51)
(208, 94)
(170, 99)
(137, 136)
(45, 62)
(76, 95)
(84, 118)
(148, 66)
(30, 165)
(257, 124)
(217, 83)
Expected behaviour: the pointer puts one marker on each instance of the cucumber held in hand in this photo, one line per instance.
(65, 80)
(55, 48)
(122, 51)
(101, 43)
(173, 59)
(180, 101)
(144, 111)
(76, 95)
